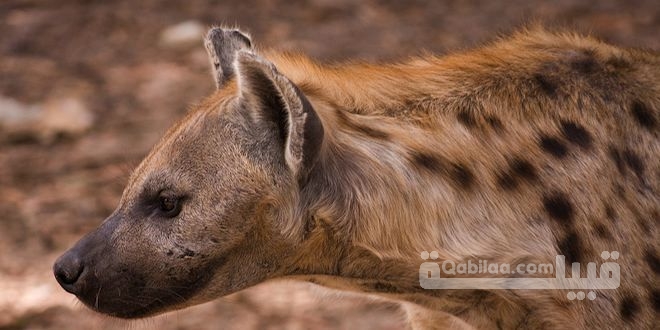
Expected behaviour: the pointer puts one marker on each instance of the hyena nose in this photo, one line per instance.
(67, 270)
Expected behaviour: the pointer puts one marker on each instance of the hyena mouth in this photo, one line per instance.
(133, 297)
(119, 290)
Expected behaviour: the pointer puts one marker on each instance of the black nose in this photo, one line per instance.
(67, 271)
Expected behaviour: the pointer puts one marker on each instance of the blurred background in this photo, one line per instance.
(87, 87)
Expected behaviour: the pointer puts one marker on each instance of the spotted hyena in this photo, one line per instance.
(537, 145)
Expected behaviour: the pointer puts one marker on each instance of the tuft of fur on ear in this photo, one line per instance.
(274, 98)
(222, 45)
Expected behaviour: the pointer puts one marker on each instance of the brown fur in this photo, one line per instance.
(536, 145)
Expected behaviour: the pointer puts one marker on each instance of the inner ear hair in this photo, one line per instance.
(278, 100)
(222, 45)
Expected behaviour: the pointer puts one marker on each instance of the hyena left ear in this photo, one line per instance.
(222, 47)
(274, 100)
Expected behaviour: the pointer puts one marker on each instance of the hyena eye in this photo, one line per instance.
(170, 206)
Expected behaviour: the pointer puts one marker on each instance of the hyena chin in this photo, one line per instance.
(537, 145)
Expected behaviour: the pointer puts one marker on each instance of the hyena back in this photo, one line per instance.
(534, 146)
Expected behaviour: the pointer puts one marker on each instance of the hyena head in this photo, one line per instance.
(210, 210)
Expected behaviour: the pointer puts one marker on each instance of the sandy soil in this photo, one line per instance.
(87, 87)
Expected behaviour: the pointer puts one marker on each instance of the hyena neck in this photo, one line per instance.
(368, 211)
(366, 188)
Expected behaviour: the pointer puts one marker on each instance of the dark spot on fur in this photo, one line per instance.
(655, 299)
(384, 287)
(519, 169)
(576, 134)
(584, 62)
(553, 146)
(643, 115)
(628, 308)
(546, 84)
(481, 295)
(360, 128)
(459, 173)
(475, 297)
(428, 161)
(462, 175)
(559, 207)
(170, 252)
(507, 181)
(618, 62)
(619, 190)
(571, 247)
(609, 212)
(466, 118)
(652, 260)
(616, 156)
(634, 162)
(494, 122)
(627, 159)
(523, 169)
(643, 223)
(602, 231)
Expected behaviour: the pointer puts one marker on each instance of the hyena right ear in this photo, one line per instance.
(277, 105)
(222, 47)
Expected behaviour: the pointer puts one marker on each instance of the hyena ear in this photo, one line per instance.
(274, 100)
(222, 47)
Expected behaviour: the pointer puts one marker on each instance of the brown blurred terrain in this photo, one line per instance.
(87, 87)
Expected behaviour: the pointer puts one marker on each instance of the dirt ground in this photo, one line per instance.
(87, 87)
